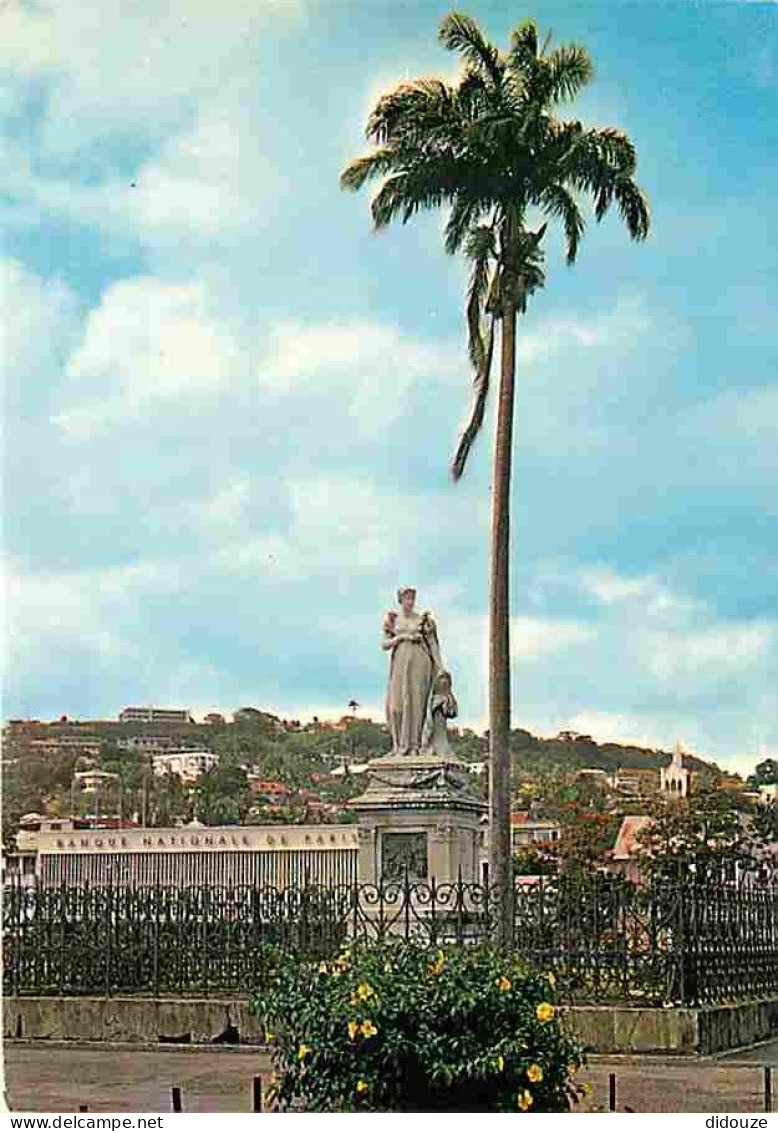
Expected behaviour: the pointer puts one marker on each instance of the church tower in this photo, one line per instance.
(674, 779)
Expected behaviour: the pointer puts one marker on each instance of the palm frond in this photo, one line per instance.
(411, 107)
(481, 250)
(461, 33)
(464, 214)
(556, 200)
(478, 409)
(415, 187)
(529, 260)
(633, 208)
(363, 169)
(523, 44)
(570, 69)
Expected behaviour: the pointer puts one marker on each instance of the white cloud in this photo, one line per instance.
(738, 430)
(147, 341)
(196, 192)
(611, 329)
(372, 367)
(192, 186)
(534, 641)
(44, 608)
(135, 66)
(38, 317)
(264, 556)
(709, 651)
(647, 596)
(609, 587)
(226, 507)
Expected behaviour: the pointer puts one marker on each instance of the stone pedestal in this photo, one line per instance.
(418, 818)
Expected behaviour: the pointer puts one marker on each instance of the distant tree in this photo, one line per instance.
(765, 773)
(586, 837)
(223, 796)
(168, 802)
(702, 835)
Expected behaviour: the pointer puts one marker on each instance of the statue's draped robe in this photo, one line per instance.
(411, 672)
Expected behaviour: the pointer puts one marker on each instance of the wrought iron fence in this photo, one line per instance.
(604, 938)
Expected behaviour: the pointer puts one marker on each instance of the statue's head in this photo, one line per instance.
(443, 683)
(406, 598)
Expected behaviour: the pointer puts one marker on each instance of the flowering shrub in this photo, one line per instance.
(402, 1027)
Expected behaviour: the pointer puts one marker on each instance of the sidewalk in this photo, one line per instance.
(57, 1078)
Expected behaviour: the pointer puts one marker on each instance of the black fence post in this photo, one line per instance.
(63, 909)
(256, 1093)
(612, 1092)
(175, 1098)
(768, 1088)
(155, 941)
(108, 896)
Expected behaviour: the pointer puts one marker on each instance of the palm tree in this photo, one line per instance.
(490, 149)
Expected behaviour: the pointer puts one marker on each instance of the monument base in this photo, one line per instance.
(418, 819)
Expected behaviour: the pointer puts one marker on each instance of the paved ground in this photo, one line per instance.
(60, 1078)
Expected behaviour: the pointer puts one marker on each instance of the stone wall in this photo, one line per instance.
(603, 1029)
(682, 1030)
(145, 1020)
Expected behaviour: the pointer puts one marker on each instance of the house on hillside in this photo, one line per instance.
(625, 854)
(187, 764)
(274, 792)
(637, 781)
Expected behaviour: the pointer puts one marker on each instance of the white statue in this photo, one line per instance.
(441, 706)
(412, 639)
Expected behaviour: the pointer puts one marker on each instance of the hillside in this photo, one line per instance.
(300, 756)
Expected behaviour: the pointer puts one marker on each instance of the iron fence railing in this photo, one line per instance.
(604, 938)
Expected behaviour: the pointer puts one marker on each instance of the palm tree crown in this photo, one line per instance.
(489, 148)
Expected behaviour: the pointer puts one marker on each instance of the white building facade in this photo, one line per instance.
(278, 856)
(187, 764)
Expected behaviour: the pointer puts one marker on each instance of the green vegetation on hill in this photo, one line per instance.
(299, 756)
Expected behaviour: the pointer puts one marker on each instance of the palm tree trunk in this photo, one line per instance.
(500, 858)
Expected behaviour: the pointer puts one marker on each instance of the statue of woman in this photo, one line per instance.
(412, 639)
(441, 706)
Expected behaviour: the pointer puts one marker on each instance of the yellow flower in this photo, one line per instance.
(303, 1051)
(587, 1089)
(269, 1037)
(362, 1087)
(365, 991)
(353, 1029)
(534, 1074)
(368, 1029)
(504, 984)
(524, 1100)
(500, 1063)
(437, 966)
(544, 1012)
(323, 968)
(551, 979)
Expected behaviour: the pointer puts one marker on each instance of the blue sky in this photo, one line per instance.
(230, 406)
